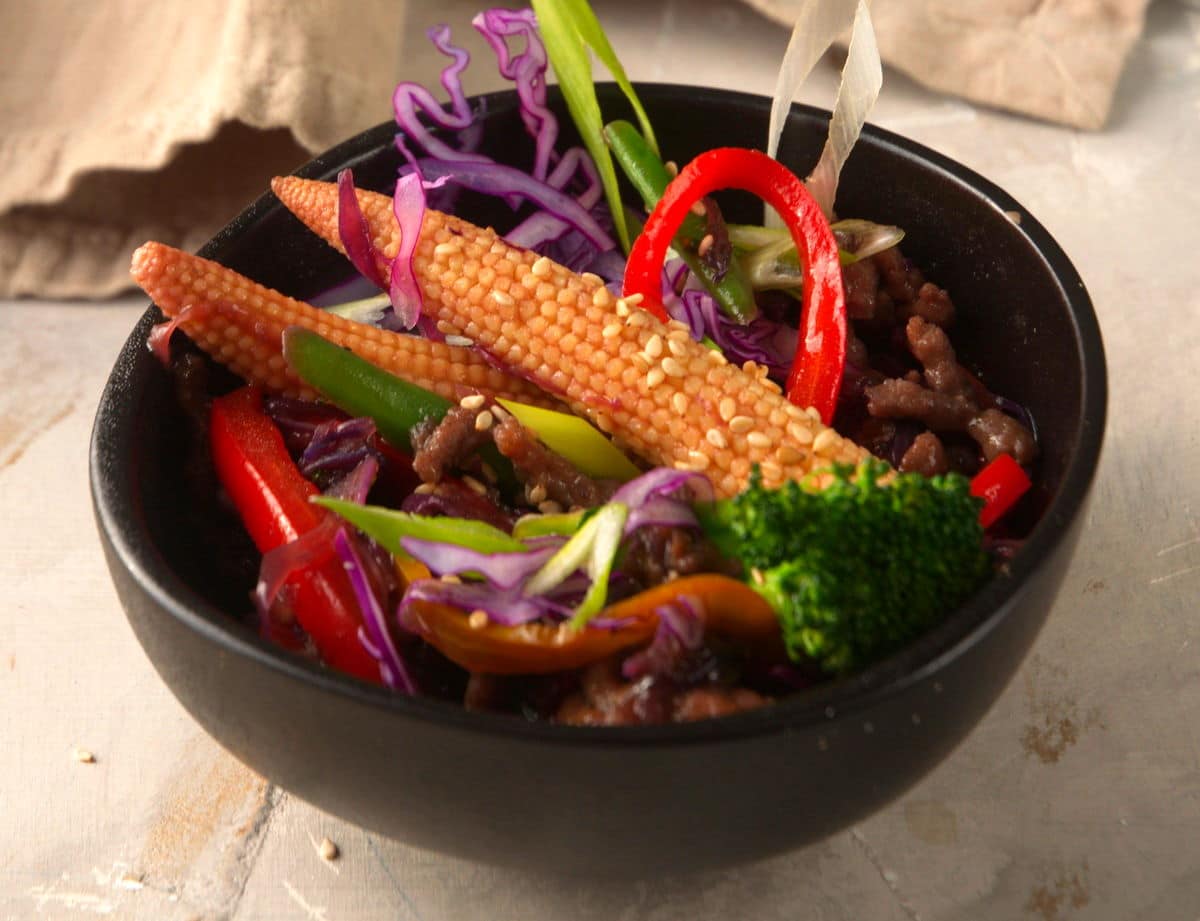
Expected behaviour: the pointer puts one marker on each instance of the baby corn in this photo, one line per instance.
(239, 323)
(660, 394)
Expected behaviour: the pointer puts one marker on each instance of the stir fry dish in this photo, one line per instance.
(615, 464)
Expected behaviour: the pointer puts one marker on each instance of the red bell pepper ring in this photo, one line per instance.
(272, 496)
(1000, 484)
(816, 374)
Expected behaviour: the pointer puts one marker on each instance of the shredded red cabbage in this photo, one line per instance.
(680, 632)
(337, 447)
(503, 570)
(408, 204)
(763, 340)
(509, 609)
(374, 634)
(354, 231)
(528, 71)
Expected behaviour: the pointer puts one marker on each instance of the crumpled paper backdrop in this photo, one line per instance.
(132, 120)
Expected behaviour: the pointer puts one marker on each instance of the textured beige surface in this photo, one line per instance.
(131, 120)
(1054, 59)
(1076, 799)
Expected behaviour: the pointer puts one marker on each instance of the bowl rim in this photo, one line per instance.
(914, 663)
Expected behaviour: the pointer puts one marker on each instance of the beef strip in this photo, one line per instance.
(604, 698)
(861, 281)
(540, 467)
(951, 400)
(999, 433)
(657, 554)
(439, 447)
(931, 303)
(902, 399)
(926, 456)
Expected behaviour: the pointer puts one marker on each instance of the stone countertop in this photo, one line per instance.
(1078, 796)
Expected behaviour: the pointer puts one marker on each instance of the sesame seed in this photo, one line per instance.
(460, 341)
(474, 485)
(672, 367)
(499, 412)
(445, 249)
(503, 298)
(801, 434)
(727, 408)
(622, 308)
(825, 440)
(483, 421)
(541, 268)
(425, 489)
(790, 455)
(613, 329)
(549, 507)
(84, 756)
(741, 424)
(699, 209)
(758, 440)
(698, 459)
(477, 619)
(676, 346)
(473, 401)
(680, 402)
(655, 376)
(706, 244)
(328, 850)
(633, 300)
(716, 438)
(672, 167)
(654, 346)
(537, 495)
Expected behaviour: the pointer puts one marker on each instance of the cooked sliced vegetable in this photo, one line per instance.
(564, 524)
(241, 323)
(593, 547)
(816, 374)
(649, 177)
(862, 76)
(389, 527)
(728, 608)
(860, 567)
(273, 499)
(378, 639)
(572, 438)
(354, 232)
(1000, 484)
(569, 28)
(629, 376)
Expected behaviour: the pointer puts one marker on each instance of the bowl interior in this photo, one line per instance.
(1025, 325)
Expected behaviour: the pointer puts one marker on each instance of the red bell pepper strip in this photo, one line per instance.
(816, 374)
(272, 496)
(1000, 484)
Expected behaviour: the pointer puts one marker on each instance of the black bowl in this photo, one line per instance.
(627, 800)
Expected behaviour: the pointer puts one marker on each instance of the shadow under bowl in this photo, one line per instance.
(633, 800)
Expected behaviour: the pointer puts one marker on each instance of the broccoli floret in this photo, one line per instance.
(859, 568)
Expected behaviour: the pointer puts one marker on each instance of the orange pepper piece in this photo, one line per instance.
(730, 609)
